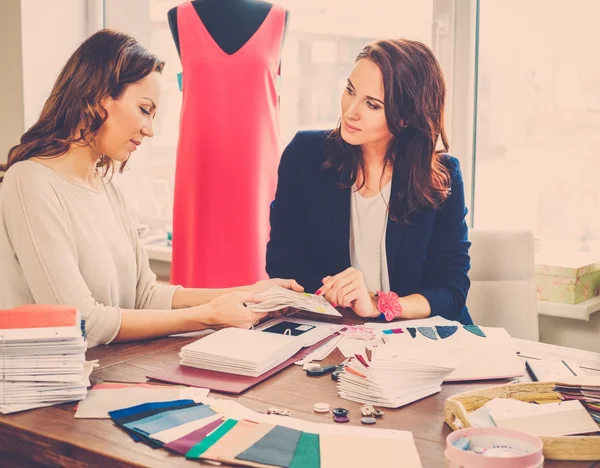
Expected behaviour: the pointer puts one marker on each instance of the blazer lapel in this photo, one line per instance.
(394, 233)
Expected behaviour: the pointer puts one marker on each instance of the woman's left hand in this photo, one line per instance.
(262, 286)
(348, 289)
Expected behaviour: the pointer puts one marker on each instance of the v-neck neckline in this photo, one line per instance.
(216, 44)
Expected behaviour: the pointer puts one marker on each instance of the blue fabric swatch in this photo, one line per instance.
(427, 332)
(446, 330)
(156, 407)
(170, 419)
(412, 331)
(135, 413)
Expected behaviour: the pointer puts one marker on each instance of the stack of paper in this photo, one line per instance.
(391, 379)
(277, 298)
(481, 353)
(586, 389)
(239, 351)
(548, 419)
(42, 357)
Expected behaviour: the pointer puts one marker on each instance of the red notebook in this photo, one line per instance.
(37, 316)
(222, 382)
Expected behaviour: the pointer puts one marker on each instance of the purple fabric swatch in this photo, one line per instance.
(184, 444)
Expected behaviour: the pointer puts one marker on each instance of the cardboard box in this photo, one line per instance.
(568, 281)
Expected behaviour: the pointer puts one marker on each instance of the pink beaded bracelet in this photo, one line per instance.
(388, 304)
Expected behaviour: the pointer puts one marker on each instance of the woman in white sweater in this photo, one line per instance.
(66, 236)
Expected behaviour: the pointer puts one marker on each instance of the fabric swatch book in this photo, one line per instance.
(393, 380)
(224, 431)
(221, 381)
(585, 389)
(278, 300)
(240, 351)
(42, 358)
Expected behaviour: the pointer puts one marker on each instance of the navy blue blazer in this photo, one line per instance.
(310, 232)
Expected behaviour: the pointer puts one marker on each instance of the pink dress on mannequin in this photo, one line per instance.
(227, 155)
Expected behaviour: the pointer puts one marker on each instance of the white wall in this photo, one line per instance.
(11, 78)
(51, 31)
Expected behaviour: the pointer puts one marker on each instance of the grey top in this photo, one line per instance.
(368, 226)
(62, 243)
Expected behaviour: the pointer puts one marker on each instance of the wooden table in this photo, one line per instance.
(52, 437)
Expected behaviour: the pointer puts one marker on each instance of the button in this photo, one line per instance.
(367, 410)
(340, 411)
(367, 420)
(321, 408)
(377, 413)
(341, 419)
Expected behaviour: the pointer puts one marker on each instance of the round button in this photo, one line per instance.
(367, 410)
(321, 408)
(341, 419)
(340, 411)
(367, 420)
(377, 413)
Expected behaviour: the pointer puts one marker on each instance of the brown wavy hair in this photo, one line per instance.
(104, 65)
(415, 93)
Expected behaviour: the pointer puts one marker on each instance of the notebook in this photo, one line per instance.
(544, 370)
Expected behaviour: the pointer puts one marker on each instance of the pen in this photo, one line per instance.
(567, 366)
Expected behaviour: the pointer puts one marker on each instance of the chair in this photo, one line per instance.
(502, 276)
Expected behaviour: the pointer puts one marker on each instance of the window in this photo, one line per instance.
(322, 40)
(538, 119)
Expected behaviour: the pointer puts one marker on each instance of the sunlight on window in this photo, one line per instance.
(538, 119)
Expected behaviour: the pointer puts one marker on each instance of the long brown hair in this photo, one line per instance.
(104, 65)
(415, 94)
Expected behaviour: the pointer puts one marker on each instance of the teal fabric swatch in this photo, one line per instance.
(211, 439)
(475, 330)
(308, 452)
(277, 447)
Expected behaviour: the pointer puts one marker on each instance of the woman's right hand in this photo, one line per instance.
(229, 310)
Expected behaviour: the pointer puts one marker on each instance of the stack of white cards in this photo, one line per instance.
(240, 351)
(392, 381)
(277, 298)
(42, 357)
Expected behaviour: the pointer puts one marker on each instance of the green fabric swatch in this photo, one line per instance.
(308, 452)
(197, 450)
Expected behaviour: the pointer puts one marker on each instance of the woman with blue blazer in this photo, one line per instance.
(371, 215)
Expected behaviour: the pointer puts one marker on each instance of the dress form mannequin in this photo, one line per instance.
(231, 23)
(229, 148)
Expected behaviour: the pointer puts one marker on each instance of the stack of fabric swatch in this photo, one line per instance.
(586, 389)
(226, 432)
(393, 379)
(42, 357)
